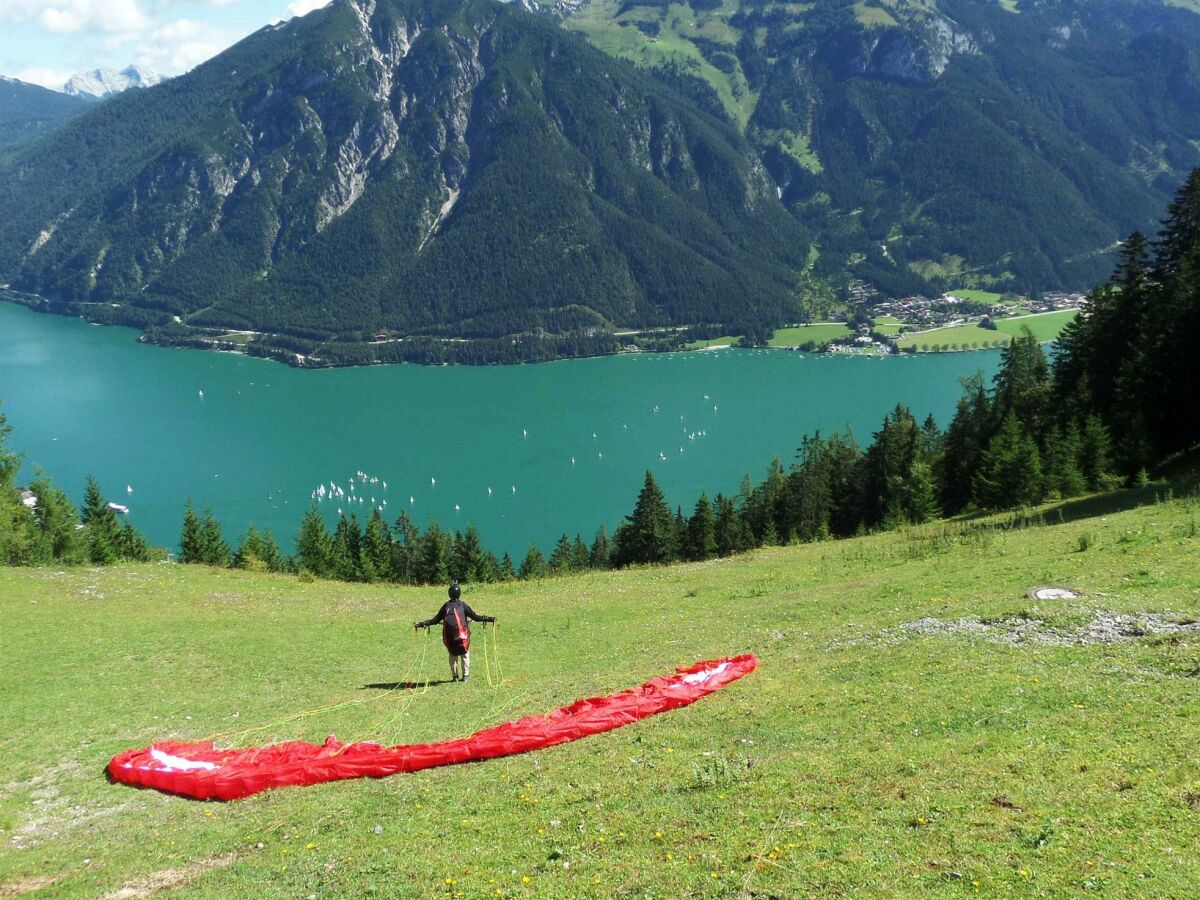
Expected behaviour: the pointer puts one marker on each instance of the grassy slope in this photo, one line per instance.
(679, 24)
(941, 765)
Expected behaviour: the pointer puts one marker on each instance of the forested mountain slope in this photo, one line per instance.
(444, 167)
(988, 142)
(27, 111)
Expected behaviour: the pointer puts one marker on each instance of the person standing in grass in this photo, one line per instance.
(456, 633)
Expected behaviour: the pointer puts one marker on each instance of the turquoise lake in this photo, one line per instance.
(524, 452)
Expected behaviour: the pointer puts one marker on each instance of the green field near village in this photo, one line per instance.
(917, 726)
(889, 325)
(1044, 326)
(727, 340)
(818, 333)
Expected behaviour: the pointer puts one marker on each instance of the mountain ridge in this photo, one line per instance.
(462, 169)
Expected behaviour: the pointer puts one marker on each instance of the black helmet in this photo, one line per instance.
(455, 591)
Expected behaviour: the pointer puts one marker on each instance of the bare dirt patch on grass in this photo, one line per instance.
(27, 884)
(51, 812)
(169, 878)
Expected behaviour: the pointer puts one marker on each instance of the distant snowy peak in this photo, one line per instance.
(101, 83)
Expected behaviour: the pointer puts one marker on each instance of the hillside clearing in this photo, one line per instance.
(934, 764)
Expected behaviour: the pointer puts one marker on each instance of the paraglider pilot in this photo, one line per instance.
(456, 634)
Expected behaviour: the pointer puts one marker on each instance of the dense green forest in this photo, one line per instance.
(28, 111)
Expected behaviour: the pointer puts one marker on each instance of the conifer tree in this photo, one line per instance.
(101, 525)
(968, 433)
(467, 556)
(191, 548)
(1022, 384)
(534, 564)
(213, 549)
(490, 570)
(919, 499)
(600, 554)
(560, 556)
(433, 556)
(313, 544)
(257, 551)
(345, 549)
(132, 545)
(56, 537)
(1010, 471)
(507, 572)
(731, 531)
(376, 551)
(647, 536)
(1063, 476)
(930, 441)
(1094, 453)
(887, 465)
(579, 555)
(404, 549)
(701, 532)
(809, 492)
(1164, 380)
(679, 525)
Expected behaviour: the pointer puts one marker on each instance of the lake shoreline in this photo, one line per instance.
(254, 441)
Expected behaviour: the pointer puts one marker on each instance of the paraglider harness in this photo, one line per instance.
(456, 634)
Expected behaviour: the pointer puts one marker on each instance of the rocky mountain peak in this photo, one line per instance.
(104, 82)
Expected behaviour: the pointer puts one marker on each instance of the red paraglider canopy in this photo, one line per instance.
(202, 771)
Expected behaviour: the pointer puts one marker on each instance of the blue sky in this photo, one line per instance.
(45, 41)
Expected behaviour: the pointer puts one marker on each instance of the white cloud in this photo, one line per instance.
(50, 78)
(17, 12)
(181, 45)
(76, 16)
(153, 33)
(303, 7)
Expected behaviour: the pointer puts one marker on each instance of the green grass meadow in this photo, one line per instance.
(847, 764)
(725, 341)
(1045, 326)
(978, 296)
(819, 333)
(954, 334)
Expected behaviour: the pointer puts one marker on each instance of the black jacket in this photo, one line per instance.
(453, 615)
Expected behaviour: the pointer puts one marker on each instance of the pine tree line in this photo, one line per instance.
(1131, 359)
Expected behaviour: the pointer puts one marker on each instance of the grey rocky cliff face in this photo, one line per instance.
(920, 53)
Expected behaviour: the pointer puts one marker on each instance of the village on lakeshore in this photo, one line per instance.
(959, 320)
